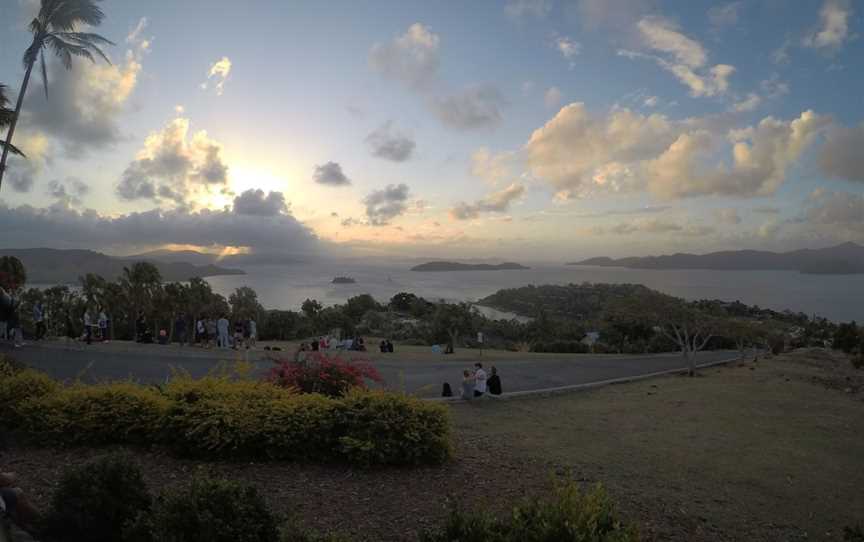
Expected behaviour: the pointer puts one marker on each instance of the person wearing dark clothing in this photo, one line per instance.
(140, 327)
(180, 329)
(383, 347)
(389, 346)
(446, 391)
(494, 383)
(39, 319)
(315, 346)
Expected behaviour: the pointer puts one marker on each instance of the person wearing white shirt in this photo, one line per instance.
(479, 380)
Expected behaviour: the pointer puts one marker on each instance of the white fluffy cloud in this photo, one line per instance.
(411, 58)
(496, 202)
(494, 168)
(833, 29)
(384, 205)
(761, 155)
(842, 156)
(568, 48)
(578, 153)
(217, 75)
(476, 107)
(390, 144)
(174, 166)
(682, 56)
(330, 174)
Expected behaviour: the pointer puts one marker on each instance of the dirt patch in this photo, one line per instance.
(761, 453)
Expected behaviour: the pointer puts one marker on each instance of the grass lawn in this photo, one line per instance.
(775, 452)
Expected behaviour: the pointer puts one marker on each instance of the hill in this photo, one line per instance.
(847, 258)
(455, 266)
(55, 266)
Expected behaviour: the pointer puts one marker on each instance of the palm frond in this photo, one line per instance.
(67, 15)
(12, 149)
(44, 72)
(88, 41)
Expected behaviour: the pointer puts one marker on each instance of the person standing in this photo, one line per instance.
(39, 320)
(479, 380)
(103, 326)
(200, 332)
(212, 331)
(88, 326)
(180, 329)
(222, 329)
(494, 382)
(140, 327)
(253, 333)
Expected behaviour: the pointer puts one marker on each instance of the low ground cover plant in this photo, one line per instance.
(328, 375)
(221, 417)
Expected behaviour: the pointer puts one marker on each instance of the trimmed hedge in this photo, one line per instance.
(220, 417)
(16, 387)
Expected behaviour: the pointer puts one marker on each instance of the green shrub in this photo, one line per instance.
(118, 412)
(207, 511)
(16, 387)
(93, 503)
(569, 515)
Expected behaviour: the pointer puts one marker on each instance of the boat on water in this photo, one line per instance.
(343, 280)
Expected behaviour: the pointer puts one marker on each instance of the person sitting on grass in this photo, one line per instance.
(15, 505)
(479, 380)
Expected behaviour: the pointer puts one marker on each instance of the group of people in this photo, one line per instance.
(476, 383)
(244, 332)
(386, 346)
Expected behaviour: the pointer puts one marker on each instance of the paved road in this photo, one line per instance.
(153, 363)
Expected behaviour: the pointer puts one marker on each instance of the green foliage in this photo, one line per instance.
(228, 417)
(848, 337)
(244, 303)
(117, 412)
(569, 515)
(93, 503)
(207, 511)
(12, 273)
(16, 387)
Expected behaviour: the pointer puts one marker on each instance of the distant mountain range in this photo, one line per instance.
(54, 266)
(454, 266)
(204, 258)
(844, 259)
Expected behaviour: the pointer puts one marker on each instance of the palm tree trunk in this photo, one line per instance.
(11, 131)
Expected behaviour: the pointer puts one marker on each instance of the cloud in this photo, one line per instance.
(174, 166)
(136, 34)
(750, 103)
(760, 157)
(651, 101)
(254, 202)
(69, 192)
(476, 107)
(552, 97)
(841, 156)
(384, 205)
(836, 209)
(330, 174)
(217, 75)
(683, 57)
(497, 202)
(728, 216)
(84, 103)
(578, 153)
(60, 226)
(516, 9)
(833, 29)
(388, 143)
(654, 226)
(411, 58)
(780, 55)
(492, 167)
(568, 48)
(725, 15)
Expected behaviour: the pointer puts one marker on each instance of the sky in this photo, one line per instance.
(536, 130)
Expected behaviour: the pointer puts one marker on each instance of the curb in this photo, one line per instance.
(587, 385)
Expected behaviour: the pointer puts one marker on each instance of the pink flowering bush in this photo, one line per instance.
(328, 375)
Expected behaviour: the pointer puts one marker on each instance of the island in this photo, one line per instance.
(343, 280)
(843, 259)
(455, 266)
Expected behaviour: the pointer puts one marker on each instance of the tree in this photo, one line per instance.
(6, 115)
(56, 27)
(452, 321)
(13, 275)
(402, 301)
(93, 289)
(311, 308)
(358, 306)
(244, 303)
(141, 284)
(847, 337)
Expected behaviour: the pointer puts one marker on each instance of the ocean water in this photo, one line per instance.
(837, 297)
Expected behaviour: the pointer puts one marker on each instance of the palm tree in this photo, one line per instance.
(6, 115)
(55, 27)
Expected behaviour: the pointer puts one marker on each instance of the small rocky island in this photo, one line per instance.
(343, 280)
(455, 266)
